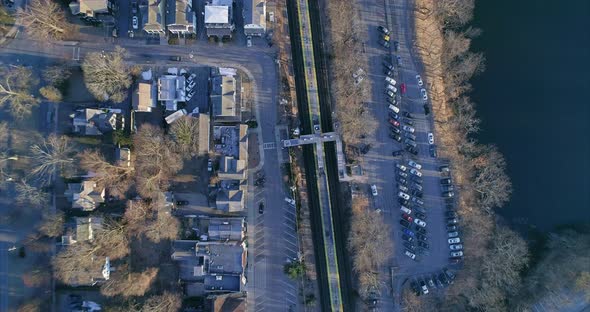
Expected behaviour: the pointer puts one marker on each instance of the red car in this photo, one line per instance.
(394, 122)
(407, 217)
(402, 87)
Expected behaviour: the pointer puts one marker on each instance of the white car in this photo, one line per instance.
(455, 240)
(391, 88)
(456, 247)
(453, 234)
(374, 190)
(408, 128)
(403, 195)
(416, 172)
(420, 222)
(403, 188)
(405, 210)
(414, 164)
(411, 255)
(135, 21)
(424, 288)
(249, 41)
(394, 108)
(430, 138)
(456, 254)
(401, 167)
(424, 94)
(290, 201)
(390, 80)
(419, 79)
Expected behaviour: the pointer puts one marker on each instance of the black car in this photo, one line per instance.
(403, 202)
(452, 228)
(420, 215)
(417, 179)
(394, 115)
(384, 43)
(448, 188)
(388, 72)
(420, 229)
(181, 202)
(426, 110)
(417, 193)
(261, 208)
(411, 149)
(388, 65)
(421, 237)
(443, 278)
(432, 150)
(409, 246)
(396, 153)
(408, 121)
(395, 130)
(449, 274)
(396, 46)
(407, 238)
(451, 221)
(392, 101)
(404, 223)
(438, 282)
(175, 58)
(450, 207)
(415, 288)
(401, 180)
(406, 114)
(451, 214)
(422, 244)
(446, 181)
(455, 260)
(383, 30)
(449, 201)
(396, 137)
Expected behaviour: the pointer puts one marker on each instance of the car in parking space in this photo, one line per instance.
(406, 114)
(389, 93)
(418, 201)
(408, 122)
(430, 138)
(448, 194)
(402, 88)
(410, 255)
(394, 122)
(135, 22)
(420, 230)
(394, 108)
(449, 207)
(388, 65)
(407, 217)
(409, 246)
(408, 232)
(449, 274)
(424, 94)
(399, 60)
(397, 153)
(405, 210)
(249, 41)
(455, 254)
(396, 46)
(448, 188)
(374, 190)
(423, 287)
(451, 214)
(408, 128)
(407, 238)
(452, 227)
(416, 179)
(453, 234)
(420, 222)
(416, 186)
(209, 165)
(395, 130)
(394, 115)
(175, 58)
(421, 237)
(390, 80)
(182, 202)
(431, 282)
(403, 188)
(443, 278)
(401, 167)
(456, 247)
(420, 215)
(414, 164)
(386, 37)
(261, 208)
(396, 137)
(401, 180)
(410, 142)
(402, 174)
(391, 88)
(404, 223)
(454, 240)
(403, 202)
(415, 288)
(383, 30)
(410, 149)
(388, 72)
(384, 43)
(423, 245)
(451, 221)
(403, 195)
(419, 80)
(446, 181)
(444, 169)
(415, 172)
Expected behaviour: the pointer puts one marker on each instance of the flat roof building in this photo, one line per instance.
(255, 17)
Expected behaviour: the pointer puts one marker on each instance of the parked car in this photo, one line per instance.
(175, 58)
(422, 244)
(402, 88)
(261, 208)
(454, 240)
(388, 65)
(394, 122)
(414, 164)
(390, 80)
(396, 137)
(424, 94)
(403, 195)
(423, 287)
(446, 181)
(443, 278)
(431, 282)
(410, 255)
(448, 188)
(135, 22)
(432, 151)
(416, 179)
(420, 215)
(415, 288)
(374, 190)
(392, 100)
(407, 238)
(452, 227)
(416, 172)
(420, 230)
(410, 149)
(404, 223)
(394, 108)
(405, 210)
(386, 37)
(408, 122)
(403, 188)
(403, 202)
(394, 115)
(456, 254)
(402, 174)
(420, 222)
(209, 165)
(401, 180)
(448, 194)
(407, 217)
(408, 128)
(391, 88)
(430, 138)
(451, 214)
(453, 234)
(249, 42)
(181, 202)
(383, 30)
(395, 130)
(396, 46)
(449, 274)
(417, 186)
(410, 142)
(409, 246)
(401, 167)
(419, 80)
(397, 153)
(456, 247)
(399, 60)
(451, 221)
(384, 43)
(418, 201)
(408, 232)
(406, 114)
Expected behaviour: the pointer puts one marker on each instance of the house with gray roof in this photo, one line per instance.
(180, 17)
(219, 20)
(81, 230)
(95, 121)
(85, 196)
(255, 17)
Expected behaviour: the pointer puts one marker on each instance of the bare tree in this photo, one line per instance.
(185, 135)
(118, 178)
(126, 284)
(45, 20)
(36, 277)
(56, 75)
(491, 181)
(33, 305)
(156, 163)
(16, 87)
(55, 152)
(166, 302)
(52, 224)
(454, 13)
(51, 93)
(30, 195)
(106, 75)
(465, 116)
(156, 224)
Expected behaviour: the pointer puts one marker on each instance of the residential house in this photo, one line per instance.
(180, 17)
(230, 229)
(233, 176)
(219, 18)
(83, 229)
(156, 17)
(231, 195)
(211, 267)
(90, 7)
(85, 195)
(94, 121)
(227, 303)
(171, 90)
(255, 17)
(144, 97)
(123, 156)
(224, 107)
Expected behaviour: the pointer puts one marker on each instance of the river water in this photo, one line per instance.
(533, 102)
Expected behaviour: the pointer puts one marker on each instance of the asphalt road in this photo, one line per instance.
(379, 162)
(272, 239)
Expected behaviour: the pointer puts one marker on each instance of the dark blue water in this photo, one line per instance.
(533, 102)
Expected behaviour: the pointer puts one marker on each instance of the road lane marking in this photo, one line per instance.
(268, 145)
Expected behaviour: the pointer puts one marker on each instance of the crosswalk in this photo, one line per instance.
(269, 145)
